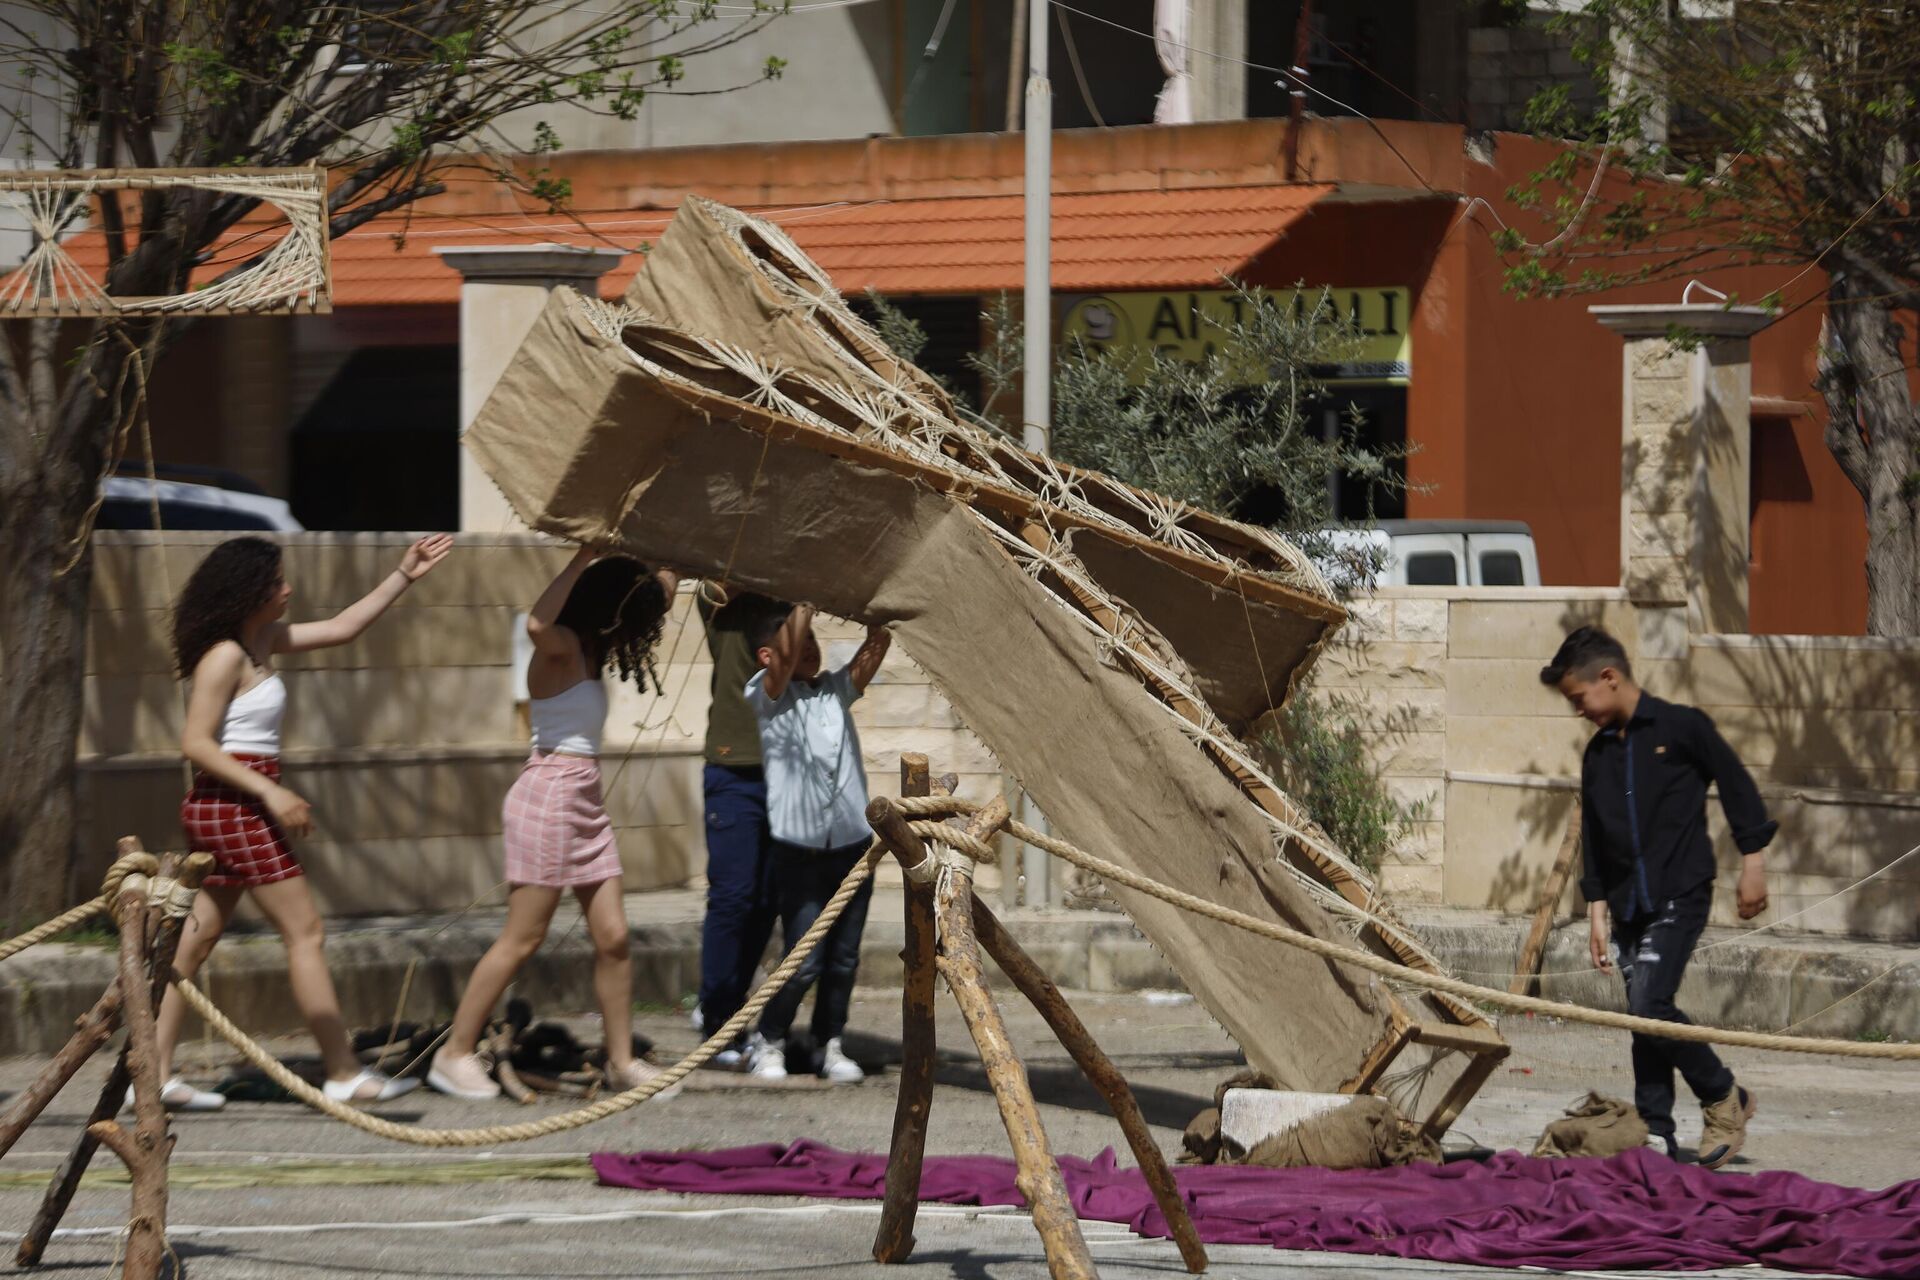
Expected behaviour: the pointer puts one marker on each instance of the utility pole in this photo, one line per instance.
(1297, 85)
(1036, 413)
(1017, 64)
(1037, 310)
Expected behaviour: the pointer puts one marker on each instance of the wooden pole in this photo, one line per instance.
(1296, 85)
(144, 1151)
(1037, 1175)
(1039, 989)
(66, 1179)
(894, 1241)
(1526, 971)
(92, 1031)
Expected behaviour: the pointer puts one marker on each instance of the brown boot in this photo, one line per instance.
(1724, 1127)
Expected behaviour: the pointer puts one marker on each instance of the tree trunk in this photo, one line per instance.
(43, 640)
(1874, 434)
(56, 446)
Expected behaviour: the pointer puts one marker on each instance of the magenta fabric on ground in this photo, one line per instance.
(1634, 1210)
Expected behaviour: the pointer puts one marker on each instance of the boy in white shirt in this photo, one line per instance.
(816, 809)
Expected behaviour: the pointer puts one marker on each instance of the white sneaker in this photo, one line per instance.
(177, 1095)
(838, 1067)
(463, 1076)
(369, 1086)
(698, 1020)
(765, 1061)
(637, 1073)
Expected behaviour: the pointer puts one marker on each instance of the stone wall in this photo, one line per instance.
(1448, 689)
(406, 741)
(1507, 67)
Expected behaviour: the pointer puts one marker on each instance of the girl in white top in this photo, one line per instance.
(227, 629)
(554, 824)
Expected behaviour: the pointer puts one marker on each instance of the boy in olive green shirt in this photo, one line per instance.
(740, 911)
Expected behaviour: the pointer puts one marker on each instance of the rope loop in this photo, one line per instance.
(127, 864)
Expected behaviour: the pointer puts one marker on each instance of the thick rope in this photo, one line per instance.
(59, 924)
(1116, 874)
(161, 892)
(251, 1050)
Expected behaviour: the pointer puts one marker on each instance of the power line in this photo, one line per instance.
(1284, 72)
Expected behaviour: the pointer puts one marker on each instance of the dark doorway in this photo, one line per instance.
(380, 449)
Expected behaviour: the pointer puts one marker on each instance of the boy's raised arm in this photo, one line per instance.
(786, 647)
(866, 663)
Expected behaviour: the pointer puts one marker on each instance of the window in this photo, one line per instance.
(382, 32)
(1502, 569)
(130, 513)
(1433, 569)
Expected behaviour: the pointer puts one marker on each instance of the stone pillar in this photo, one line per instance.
(1684, 475)
(502, 292)
(1219, 85)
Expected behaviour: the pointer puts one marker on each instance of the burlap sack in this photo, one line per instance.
(1594, 1126)
(1367, 1133)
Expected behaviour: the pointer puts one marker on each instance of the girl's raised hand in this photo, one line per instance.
(423, 555)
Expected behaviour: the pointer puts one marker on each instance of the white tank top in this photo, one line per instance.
(571, 720)
(252, 726)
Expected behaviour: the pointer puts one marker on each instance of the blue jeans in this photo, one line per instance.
(804, 879)
(739, 890)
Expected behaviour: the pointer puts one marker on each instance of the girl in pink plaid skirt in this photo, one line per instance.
(597, 613)
(227, 629)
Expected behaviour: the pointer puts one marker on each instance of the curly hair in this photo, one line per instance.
(234, 582)
(619, 611)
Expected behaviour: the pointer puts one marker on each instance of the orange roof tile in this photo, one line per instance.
(954, 245)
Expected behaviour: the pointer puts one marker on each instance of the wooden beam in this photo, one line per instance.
(1037, 1175)
(1526, 971)
(894, 1240)
(1079, 1043)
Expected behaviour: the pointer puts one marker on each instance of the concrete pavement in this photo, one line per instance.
(1837, 1119)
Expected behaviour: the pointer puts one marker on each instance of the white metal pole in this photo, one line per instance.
(1037, 318)
(1038, 303)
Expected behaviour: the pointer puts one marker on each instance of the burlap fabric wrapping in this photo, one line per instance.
(1594, 1126)
(645, 434)
(1367, 1133)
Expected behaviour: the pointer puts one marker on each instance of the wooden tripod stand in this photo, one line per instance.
(149, 935)
(941, 897)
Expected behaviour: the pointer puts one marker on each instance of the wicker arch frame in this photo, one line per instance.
(292, 277)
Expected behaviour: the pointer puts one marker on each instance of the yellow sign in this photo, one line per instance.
(1186, 326)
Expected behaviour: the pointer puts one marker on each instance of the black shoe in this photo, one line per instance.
(1664, 1142)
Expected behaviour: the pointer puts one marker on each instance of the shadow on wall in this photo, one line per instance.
(1541, 812)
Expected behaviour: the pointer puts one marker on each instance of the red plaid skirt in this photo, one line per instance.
(247, 845)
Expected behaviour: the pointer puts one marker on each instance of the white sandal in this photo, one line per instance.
(384, 1087)
(177, 1095)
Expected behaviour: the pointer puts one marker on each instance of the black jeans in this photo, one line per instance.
(740, 906)
(1652, 952)
(803, 880)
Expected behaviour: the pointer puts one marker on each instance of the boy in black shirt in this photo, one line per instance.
(1648, 865)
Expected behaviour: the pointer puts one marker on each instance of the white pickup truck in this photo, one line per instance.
(1448, 553)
